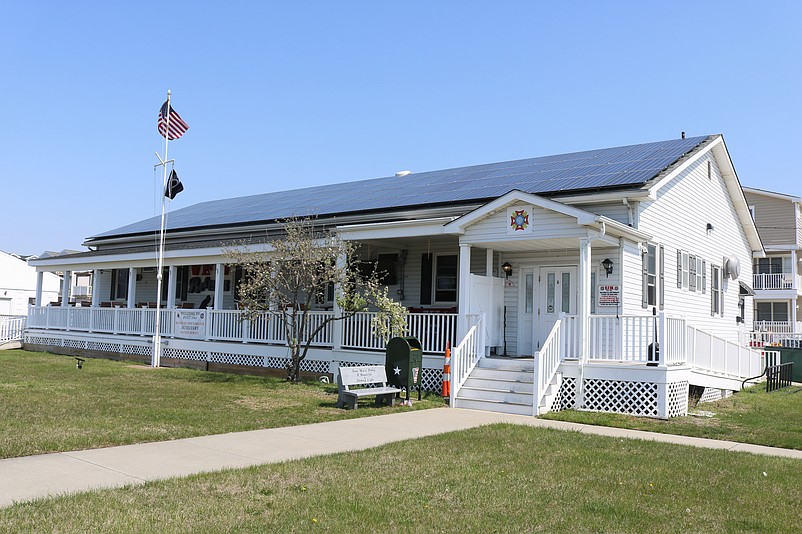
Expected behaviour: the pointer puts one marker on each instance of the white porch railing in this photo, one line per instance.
(718, 355)
(773, 281)
(547, 361)
(621, 338)
(12, 327)
(465, 356)
(433, 330)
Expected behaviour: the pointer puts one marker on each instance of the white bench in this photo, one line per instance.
(363, 376)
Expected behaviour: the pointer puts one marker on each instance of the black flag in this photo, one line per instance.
(174, 185)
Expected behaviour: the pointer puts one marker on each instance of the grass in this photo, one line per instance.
(749, 416)
(47, 405)
(499, 478)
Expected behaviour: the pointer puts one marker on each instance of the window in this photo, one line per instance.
(445, 279)
(772, 311)
(530, 288)
(716, 294)
(119, 284)
(691, 272)
(770, 265)
(651, 275)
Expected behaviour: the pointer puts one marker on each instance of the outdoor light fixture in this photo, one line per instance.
(608, 266)
(709, 228)
(507, 268)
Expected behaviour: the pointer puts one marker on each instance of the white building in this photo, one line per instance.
(18, 285)
(583, 264)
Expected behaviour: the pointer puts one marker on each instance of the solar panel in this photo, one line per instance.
(560, 173)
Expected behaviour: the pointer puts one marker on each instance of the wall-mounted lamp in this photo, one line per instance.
(507, 268)
(608, 266)
(709, 229)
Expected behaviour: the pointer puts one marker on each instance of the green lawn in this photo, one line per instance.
(750, 416)
(47, 405)
(499, 478)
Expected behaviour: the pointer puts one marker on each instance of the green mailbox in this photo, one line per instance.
(404, 363)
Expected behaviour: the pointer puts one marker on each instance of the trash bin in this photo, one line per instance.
(404, 363)
(788, 355)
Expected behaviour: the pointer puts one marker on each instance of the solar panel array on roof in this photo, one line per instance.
(617, 167)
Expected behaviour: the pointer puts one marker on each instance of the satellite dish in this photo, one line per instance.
(733, 267)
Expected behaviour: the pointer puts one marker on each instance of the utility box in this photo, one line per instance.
(404, 363)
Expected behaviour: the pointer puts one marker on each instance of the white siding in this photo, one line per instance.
(678, 220)
(545, 224)
(614, 210)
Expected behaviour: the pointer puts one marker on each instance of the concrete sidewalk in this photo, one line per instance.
(27, 478)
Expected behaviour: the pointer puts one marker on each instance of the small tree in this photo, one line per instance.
(297, 274)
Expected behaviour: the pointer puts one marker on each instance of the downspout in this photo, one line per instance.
(630, 214)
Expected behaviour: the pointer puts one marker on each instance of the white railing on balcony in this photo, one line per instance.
(773, 281)
(780, 327)
(547, 361)
(12, 327)
(465, 356)
(432, 330)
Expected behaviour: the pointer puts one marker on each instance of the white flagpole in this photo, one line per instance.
(157, 338)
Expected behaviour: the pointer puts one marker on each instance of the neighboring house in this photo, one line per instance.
(18, 283)
(608, 279)
(778, 276)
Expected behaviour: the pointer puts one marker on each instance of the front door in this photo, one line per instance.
(558, 294)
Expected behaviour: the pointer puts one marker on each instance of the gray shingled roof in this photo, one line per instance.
(608, 168)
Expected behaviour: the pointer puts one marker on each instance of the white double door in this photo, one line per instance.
(546, 292)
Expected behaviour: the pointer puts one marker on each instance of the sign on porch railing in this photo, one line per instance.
(190, 324)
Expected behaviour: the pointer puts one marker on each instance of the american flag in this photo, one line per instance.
(177, 124)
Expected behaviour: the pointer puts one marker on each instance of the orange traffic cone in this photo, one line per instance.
(447, 372)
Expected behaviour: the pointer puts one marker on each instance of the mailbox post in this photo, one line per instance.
(404, 363)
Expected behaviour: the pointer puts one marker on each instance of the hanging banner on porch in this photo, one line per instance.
(190, 324)
(608, 295)
(519, 220)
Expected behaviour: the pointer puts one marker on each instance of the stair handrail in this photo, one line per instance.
(464, 358)
(547, 361)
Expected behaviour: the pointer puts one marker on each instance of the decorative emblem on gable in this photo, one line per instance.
(518, 220)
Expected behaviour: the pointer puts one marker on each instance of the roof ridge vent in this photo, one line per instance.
(403, 173)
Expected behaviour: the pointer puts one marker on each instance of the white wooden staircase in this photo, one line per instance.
(504, 385)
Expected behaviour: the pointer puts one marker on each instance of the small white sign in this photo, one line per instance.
(608, 295)
(190, 324)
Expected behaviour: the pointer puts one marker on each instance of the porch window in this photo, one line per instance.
(716, 294)
(771, 265)
(772, 311)
(119, 284)
(445, 279)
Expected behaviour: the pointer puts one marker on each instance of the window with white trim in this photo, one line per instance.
(716, 293)
(445, 279)
(652, 273)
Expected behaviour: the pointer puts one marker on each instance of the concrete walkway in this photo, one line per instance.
(31, 477)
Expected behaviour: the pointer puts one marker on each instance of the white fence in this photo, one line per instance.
(465, 356)
(773, 281)
(432, 330)
(11, 328)
(547, 361)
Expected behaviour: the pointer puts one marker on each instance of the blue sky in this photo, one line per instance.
(285, 95)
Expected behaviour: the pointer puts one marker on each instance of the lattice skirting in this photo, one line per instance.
(431, 378)
(566, 396)
(678, 399)
(714, 394)
(619, 396)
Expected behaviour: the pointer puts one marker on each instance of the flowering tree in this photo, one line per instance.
(297, 273)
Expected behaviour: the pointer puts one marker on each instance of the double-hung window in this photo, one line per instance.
(691, 272)
(716, 293)
(445, 279)
(652, 272)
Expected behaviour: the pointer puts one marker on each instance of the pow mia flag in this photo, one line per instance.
(174, 185)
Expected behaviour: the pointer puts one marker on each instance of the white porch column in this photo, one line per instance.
(96, 288)
(40, 279)
(489, 263)
(584, 299)
(171, 283)
(463, 302)
(219, 273)
(337, 326)
(132, 272)
(65, 288)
